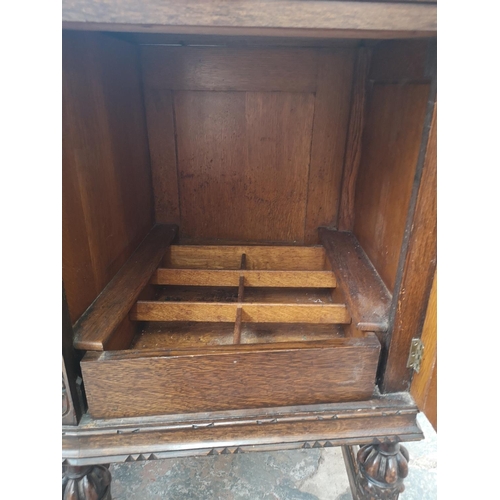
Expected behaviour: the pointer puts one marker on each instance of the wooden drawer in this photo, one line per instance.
(134, 383)
(205, 328)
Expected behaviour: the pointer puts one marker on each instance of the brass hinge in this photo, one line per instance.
(416, 354)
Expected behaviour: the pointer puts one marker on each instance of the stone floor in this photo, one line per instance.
(312, 474)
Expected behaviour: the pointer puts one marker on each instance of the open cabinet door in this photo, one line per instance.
(424, 384)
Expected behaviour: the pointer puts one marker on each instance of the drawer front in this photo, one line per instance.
(140, 383)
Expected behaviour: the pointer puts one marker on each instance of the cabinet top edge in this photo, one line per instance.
(281, 18)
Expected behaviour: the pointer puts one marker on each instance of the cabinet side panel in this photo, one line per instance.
(398, 89)
(391, 143)
(107, 193)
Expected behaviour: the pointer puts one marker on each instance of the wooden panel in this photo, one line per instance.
(331, 118)
(354, 136)
(259, 17)
(391, 144)
(257, 257)
(96, 326)
(418, 271)
(303, 279)
(423, 385)
(228, 143)
(107, 194)
(226, 69)
(161, 132)
(365, 293)
(233, 377)
(251, 312)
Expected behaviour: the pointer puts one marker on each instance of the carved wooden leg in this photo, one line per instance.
(86, 483)
(377, 471)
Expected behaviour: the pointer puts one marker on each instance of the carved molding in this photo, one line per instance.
(86, 483)
(382, 468)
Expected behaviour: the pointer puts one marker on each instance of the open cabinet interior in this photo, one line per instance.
(234, 215)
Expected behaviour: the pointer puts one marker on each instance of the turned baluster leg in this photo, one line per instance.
(86, 482)
(377, 471)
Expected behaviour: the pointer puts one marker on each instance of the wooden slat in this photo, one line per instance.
(251, 312)
(241, 296)
(237, 327)
(296, 313)
(339, 19)
(183, 311)
(216, 277)
(280, 258)
(123, 384)
(229, 69)
(365, 293)
(97, 324)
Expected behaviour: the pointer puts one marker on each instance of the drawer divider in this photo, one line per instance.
(241, 294)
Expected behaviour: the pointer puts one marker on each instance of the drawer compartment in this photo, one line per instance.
(185, 329)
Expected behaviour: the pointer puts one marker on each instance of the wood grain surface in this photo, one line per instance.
(230, 69)
(96, 326)
(278, 258)
(258, 144)
(252, 278)
(251, 312)
(364, 292)
(228, 143)
(107, 203)
(391, 144)
(237, 376)
(161, 133)
(331, 118)
(352, 157)
(418, 271)
(283, 17)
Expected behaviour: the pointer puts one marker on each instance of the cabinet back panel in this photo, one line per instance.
(247, 144)
(107, 194)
